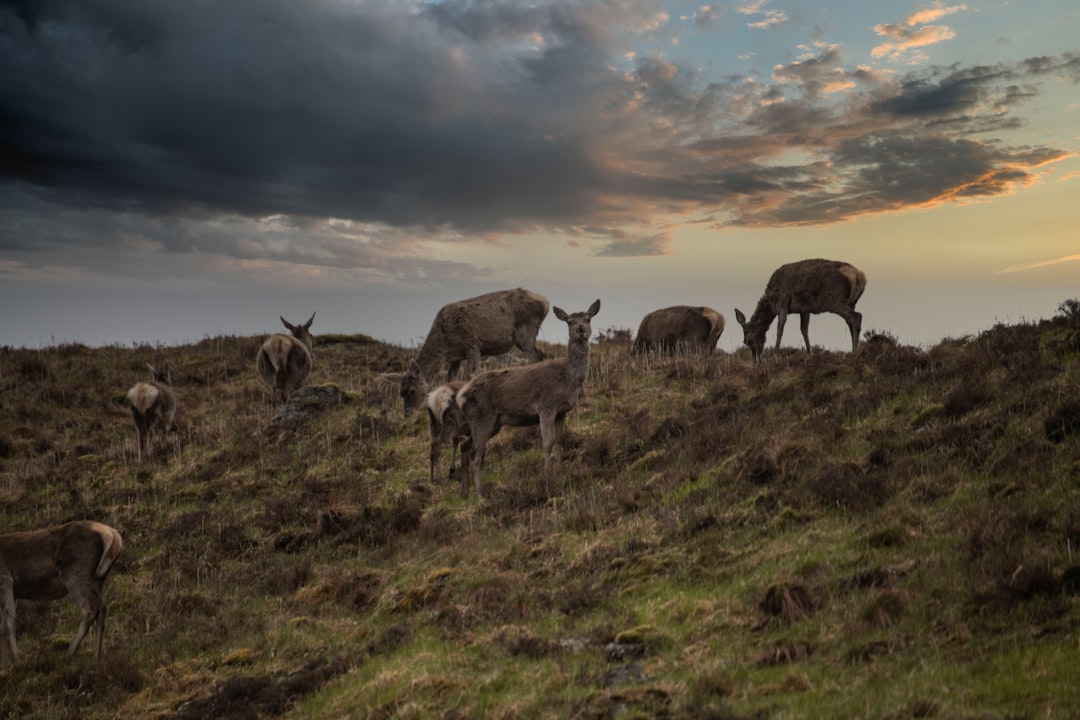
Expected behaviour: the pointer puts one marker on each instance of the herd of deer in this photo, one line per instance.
(75, 558)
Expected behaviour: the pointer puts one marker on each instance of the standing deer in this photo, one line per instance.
(696, 328)
(284, 361)
(71, 559)
(153, 406)
(805, 287)
(541, 393)
(446, 423)
(467, 330)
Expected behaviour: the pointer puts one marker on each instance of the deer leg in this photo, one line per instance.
(804, 325)
(434, 475)
(480, 436)
(88, 600)
(547, 437)
(781, 318)
(560, 425)
(527, 344)
(466, 458)
(452, 369)
(100, 631)
(474, 361)
(855, 324)
(8, 650)
(455, 442)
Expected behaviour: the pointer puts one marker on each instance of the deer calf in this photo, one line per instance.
(153, 406)
(284, 361)
(446, 423)
(70, 559)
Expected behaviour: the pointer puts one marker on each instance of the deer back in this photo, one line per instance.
(492, 323)
(815, 286)
(668, 327)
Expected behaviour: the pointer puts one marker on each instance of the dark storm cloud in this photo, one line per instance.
(181, 125)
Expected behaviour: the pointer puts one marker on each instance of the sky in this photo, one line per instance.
(172, 170)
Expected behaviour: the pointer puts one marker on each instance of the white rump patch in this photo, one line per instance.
(142, 396)
(439, 399)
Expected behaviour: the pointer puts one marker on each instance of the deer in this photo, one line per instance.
(153, 407)
(467, 330)
(70, 559)
(446, 423)
(538, 394)
(284, 361)
(697, 329)
(805, 287)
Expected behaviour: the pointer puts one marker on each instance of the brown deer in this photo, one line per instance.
(467, 330)
(696, 329)
(446, 423)
(538, 394)
(71, 559)
(805, 287)
(153, 407)
(284, 361)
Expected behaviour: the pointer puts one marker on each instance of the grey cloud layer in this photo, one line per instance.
(467, 117)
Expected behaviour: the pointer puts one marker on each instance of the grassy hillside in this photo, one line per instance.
(883, 534)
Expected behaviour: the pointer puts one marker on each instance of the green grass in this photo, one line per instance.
(880, 534)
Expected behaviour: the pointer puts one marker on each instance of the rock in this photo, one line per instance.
(310, 399)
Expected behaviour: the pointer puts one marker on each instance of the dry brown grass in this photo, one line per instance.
(735, 532)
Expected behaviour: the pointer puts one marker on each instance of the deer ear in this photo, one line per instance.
(414, 368)
(559, 313)
(307, 325)
(594, 308)
(740, 317)
(286, 323)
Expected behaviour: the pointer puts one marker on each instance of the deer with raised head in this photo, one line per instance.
(697, 329)
(538, 394)
(153, 407)
(467, 330)
(284, 361)
(446, 423)
(806, 287)
(70, 559)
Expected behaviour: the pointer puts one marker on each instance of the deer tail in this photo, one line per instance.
(111, 546)
(856, 282)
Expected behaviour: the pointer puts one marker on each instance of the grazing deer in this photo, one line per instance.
(71, 559)
(284, 361)
(467, 330)
(541, 393)
(446, 423)
(696, 328)
(153, 406)
(805, 287)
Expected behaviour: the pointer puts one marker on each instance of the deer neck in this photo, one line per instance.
(763, 315)
(431, 359)
(577, 362)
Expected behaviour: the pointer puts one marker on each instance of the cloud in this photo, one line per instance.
(818, 75)
(708, 15)
(636, 247)
(931, 14)
(908, 35)
(1040, 264)
(353, 137)
(756, 7)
